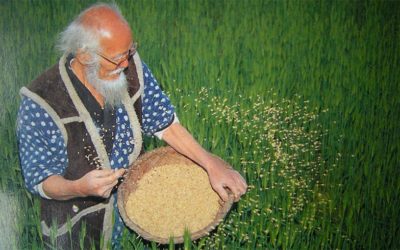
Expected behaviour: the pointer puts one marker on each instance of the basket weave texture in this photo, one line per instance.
(153, 159)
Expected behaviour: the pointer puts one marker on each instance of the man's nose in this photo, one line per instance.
(124, 63)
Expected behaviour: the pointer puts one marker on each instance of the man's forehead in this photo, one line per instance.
(105, 21)
(116, 44)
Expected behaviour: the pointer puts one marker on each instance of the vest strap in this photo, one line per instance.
(64, 228)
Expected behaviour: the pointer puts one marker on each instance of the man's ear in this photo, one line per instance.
(83, 57)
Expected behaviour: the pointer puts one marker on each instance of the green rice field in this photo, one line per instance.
(302, 97)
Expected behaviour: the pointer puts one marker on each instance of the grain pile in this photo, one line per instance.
(173, 197)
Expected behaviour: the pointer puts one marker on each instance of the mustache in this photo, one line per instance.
(116, 72)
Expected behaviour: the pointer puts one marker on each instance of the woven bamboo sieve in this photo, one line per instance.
(153, 159)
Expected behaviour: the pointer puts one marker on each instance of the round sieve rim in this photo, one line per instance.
(159, 157)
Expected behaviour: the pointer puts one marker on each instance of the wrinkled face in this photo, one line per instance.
(106, 74)
(115, 49)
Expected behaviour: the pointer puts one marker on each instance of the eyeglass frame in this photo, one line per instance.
(131, 52)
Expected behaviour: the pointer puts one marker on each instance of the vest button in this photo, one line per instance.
(75, 208)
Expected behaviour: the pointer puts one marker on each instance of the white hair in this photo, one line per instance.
(78, 36)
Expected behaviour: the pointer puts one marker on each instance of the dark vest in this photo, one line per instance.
(89, 214)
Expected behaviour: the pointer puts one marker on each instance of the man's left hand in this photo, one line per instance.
(220, 173)
(222, 176)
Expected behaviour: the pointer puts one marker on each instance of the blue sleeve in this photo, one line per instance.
(42, 150)
(157, 110)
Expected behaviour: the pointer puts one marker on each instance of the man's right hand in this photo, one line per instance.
(99, 182)
(94, 183)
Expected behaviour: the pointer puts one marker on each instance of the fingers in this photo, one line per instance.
(236, 192)
(109, 181)
(223, 194)
(230, 179)
(237, 185)
(106, 190)
(241, 183)
(120, 172)
(110, 176)
(101, 182)
(99, 173)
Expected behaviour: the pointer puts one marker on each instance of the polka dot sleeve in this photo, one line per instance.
(157, 110)
(41, 145)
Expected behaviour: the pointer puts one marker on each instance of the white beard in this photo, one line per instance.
(112, 90)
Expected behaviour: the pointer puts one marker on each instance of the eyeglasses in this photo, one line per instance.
(127, 56)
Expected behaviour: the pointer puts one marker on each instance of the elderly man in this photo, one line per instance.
(80, 125)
